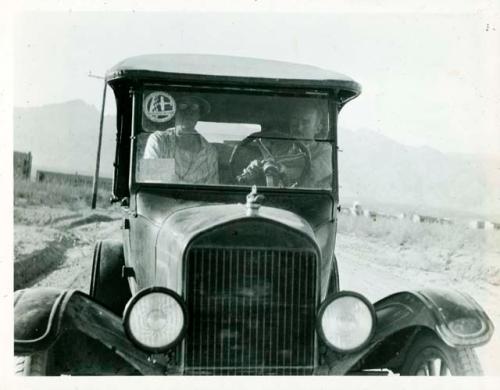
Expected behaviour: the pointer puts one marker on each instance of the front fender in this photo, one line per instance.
(36, 319)
(454, 316)
(41, 315)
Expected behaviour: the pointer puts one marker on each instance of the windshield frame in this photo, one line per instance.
(137, 93)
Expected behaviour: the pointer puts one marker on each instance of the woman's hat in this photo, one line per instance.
(191, 100)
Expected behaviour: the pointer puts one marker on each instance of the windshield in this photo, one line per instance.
(233, 138)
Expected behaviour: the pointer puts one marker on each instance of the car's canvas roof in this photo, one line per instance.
(196, 67)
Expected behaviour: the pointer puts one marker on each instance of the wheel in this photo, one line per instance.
(73, 354)
(107, 285)
(36, 364)
(430, 356)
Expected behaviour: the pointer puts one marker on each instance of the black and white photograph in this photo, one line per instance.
(251, 188)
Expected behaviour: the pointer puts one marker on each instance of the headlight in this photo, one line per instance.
(155, 319)
(346, 321)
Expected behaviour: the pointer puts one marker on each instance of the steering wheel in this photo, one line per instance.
(270, 159)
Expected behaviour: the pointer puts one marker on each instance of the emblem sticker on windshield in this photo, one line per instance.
(159, 107)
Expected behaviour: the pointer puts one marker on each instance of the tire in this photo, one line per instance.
(107, 286)
(430, 356)
(36, 364)
(73, 354)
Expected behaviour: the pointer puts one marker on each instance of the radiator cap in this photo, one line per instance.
(254, 201)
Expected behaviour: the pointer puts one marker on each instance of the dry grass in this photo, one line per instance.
(73, 197)
(405, 232)
(456, 249)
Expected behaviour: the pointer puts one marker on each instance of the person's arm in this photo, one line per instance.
(322, 165)
(213, 177)
(153, 147)
(213, 174)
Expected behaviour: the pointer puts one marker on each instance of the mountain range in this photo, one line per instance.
(374, 170)
(383, 173)
(63, 137)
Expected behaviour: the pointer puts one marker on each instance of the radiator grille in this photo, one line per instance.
(251, 311)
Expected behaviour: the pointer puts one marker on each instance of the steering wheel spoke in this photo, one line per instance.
(270, 159)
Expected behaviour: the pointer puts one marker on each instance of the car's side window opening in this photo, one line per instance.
(234, 139)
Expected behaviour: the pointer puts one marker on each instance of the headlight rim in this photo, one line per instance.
(327, 302)
(130, 304)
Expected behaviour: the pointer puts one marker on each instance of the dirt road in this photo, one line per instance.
(75, 270)
(362, 268)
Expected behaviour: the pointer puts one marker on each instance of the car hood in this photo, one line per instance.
(182, 226)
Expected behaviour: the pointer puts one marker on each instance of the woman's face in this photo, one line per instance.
(186, 117)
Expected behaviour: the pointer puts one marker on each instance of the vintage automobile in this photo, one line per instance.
(226, 171)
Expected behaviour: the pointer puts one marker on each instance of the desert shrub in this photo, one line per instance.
(55, 194)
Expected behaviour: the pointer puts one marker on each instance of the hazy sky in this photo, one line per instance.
(428, 79)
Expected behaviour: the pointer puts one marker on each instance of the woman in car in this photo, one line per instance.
(195, 158)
